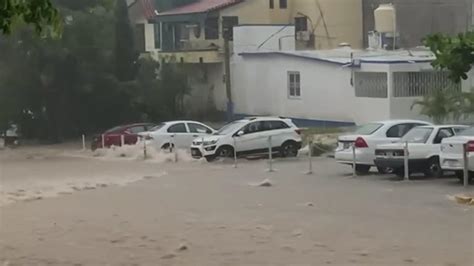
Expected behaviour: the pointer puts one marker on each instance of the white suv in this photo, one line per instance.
(250, 136)
(366, 138)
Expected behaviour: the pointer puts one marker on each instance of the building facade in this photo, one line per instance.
(193, 34)
(335, 87)
(417, 19)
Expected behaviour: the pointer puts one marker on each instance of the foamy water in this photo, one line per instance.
(39, 185)
(136, 152)
(39, 189)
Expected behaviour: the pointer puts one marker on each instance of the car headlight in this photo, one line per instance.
(212, 142)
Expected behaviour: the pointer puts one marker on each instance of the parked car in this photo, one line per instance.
(451, 156)
(424, 147)
(366, 138)
(250, 136)
(178, 134)
(112, 137)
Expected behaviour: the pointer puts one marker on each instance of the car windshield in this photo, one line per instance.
(367, 129)
(114, 129)
(157, 127)
(418, 135)
(468, 132)
(230, 128)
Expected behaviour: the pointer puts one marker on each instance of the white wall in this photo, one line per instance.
(248, 38)
(260, 88)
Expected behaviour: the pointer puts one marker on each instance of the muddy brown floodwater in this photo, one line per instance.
(64, 207)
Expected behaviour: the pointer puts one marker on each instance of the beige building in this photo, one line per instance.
(193, 34)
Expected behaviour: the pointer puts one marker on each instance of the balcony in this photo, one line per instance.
(193, 51)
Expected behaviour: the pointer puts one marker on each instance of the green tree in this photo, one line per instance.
(158, 90)
(39, 13)
(455, 54)
(438, 106)
(125, 53)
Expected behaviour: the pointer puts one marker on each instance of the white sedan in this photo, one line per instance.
(423, 150)
(179, 134)
(366, 138)
(451, 156)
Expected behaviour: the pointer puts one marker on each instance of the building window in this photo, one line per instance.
(211, 31)
(301, 24)
(294, 85)
(140, 37)
(416, 84)
(370, 84)
(157, 29)
(271, 4)
(228, 24)
(283, 4)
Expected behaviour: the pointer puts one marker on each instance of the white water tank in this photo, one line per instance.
(385, 18)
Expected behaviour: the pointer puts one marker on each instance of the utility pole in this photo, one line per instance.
(230, 104)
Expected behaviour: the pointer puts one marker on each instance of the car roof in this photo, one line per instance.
(135, 124)
(444, 126)
(260, 118)
(396, 121)
(182, 121)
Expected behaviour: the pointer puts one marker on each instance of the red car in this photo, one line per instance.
(112, 137)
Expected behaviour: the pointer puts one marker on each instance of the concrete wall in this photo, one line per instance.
(343, 19)
(418, 18)
(271, 38)
(249, 12)
(260, 88)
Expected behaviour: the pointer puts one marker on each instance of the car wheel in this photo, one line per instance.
(385, 170)
(289, 149)
(225, 152)
(400, 172)
(166, 147)
(434, 168)
(362, 169)
(210, 158)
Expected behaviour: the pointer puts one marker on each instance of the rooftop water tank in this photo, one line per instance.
(385, 18)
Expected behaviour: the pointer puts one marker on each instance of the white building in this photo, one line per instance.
(332, 87)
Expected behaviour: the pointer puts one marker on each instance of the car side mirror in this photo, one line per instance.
(240, 133)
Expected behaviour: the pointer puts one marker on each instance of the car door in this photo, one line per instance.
(252, 139)
(197, 130)
(178, 135)
(442, 133)
(279, 131)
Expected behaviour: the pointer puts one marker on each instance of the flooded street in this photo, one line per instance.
(65, 207)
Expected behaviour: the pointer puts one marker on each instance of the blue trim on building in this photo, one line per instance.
(304, 122)
(396, 61)
(293, 55)
(368, 61)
